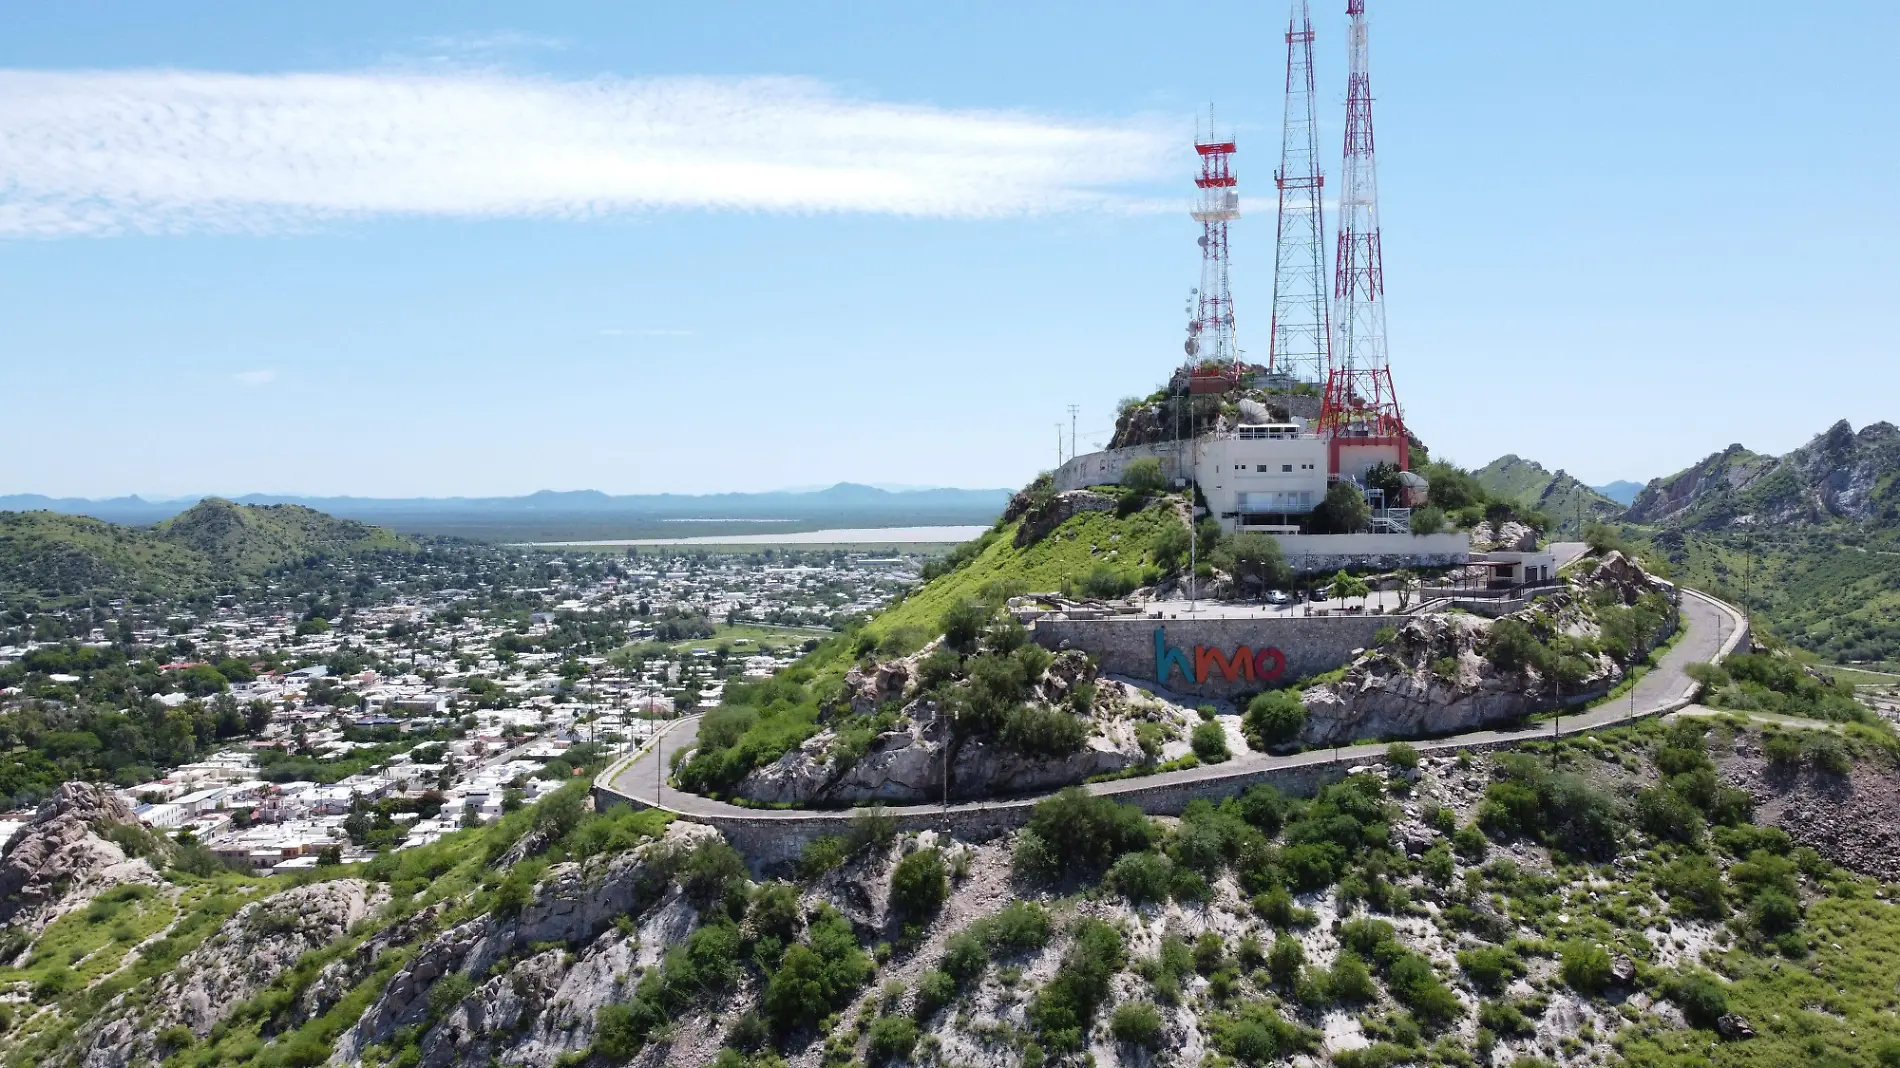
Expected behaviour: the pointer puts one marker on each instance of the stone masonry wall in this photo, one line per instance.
(1305, 645)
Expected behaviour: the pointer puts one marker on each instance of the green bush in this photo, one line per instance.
(822, 854)
(935, 990)
(1210, 743)
(1273, 718)
(1137, 1023)
(919, 885)
(1350, 981)
(1490, 967)
(1020, 927)
(1402, 755)
(891, 1039)
(1042, 732)
(1257, 1034)
(1075, 832)
(1062, 1011)
(1585, 966)
(1700, 996)
(1286, 960)
(965, 957)
(1694, 886)
(1142, 878)
(1143, 476)
(1781, 748)
(963, 622)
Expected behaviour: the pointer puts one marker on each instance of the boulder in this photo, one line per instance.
(1733, 1026)
(61, 859)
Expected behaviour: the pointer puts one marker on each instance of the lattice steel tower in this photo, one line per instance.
(1360, 403)
(1301, 340)
(1211, 334)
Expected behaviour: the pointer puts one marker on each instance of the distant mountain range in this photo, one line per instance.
(1621, 491)
(589, 510)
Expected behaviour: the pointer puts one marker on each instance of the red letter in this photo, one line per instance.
(1268, 664)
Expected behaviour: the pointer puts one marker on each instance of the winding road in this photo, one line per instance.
(1711, 630)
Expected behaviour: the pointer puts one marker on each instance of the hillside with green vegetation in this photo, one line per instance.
(1642, 897)
(56, 557)
(1571, 505)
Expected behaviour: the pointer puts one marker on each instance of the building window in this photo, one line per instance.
(1286, 467)
(1260, 467)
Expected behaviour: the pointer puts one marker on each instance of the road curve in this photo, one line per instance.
(1711, 630)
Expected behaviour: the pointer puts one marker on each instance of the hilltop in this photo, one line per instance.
(52, 555)
(1841, 477)
(1556, 494)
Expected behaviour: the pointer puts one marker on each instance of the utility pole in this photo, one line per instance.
(1748, 579)
(1074, 410)
(1058, 444)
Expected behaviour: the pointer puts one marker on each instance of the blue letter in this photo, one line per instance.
(1166, 658)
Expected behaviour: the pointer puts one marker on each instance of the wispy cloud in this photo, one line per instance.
(178, 151)
(255, 378)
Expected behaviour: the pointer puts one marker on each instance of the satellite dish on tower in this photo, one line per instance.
(1201, 240)
(1192, 346)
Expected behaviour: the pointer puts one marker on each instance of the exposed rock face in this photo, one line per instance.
(1433, 679)
(1840, 474)
(574, 904)
(253, 948)
(907, 764)
(61, 859)
(1510, 537)
(1852, 820)
(1051, 513)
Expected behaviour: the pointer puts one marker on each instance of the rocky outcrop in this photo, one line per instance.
(1852, 820)
(574, 904)
(1051, 512)
(62, 858)
(907, 763)
(1842, 474)
(251, 949)
(1511, 536)
(1433, 677)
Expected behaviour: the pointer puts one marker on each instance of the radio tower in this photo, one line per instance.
(1302, 332)
(1211, 334)
(1360, 407)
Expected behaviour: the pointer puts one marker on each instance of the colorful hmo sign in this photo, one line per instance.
(1264, 666)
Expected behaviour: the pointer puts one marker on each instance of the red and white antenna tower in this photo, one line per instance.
(1211, 334)
(1302, 332)
(1360, 410)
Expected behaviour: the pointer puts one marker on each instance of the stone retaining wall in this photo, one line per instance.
(1305, 645)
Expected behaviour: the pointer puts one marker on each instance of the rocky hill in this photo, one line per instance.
(53, 556)
(1656, 895)
(1556, 494)
(1842, 476)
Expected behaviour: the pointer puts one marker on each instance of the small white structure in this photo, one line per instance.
(1262, 477)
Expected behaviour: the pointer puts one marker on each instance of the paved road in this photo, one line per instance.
(1709, 627)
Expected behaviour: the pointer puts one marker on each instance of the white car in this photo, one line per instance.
(1276, 597)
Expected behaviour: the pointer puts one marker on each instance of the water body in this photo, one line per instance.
(852, 536)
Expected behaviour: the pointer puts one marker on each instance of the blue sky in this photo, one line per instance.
(433, 249)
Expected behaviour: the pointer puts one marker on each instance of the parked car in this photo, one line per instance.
(1318, 594)
(1277, 597)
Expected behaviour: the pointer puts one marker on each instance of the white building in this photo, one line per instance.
(1262, 477)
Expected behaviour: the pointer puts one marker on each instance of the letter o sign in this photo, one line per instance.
(1269, 664)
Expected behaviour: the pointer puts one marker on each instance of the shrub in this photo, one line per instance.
(1137, 1023)
(1781, 748)
(1141, 877)
(1273, 718)
(1079, 832)
(1700, 997)
(1694, 886)
(1210, 743)
(1019, 928)
(1428, 520)
(963, 622)
(1825, 750)
(965, 957)
(1350, 981)
(1062, 1011)
(1667, 815)
(1143, 475)
(1586, 966)
(935, 990)
(1046, 732)
(1402, 755)
(919, 884)
(1773, 912)
(821, 855)
(1489, 967)
(892, 1038)
(1285, 960)
(448, 992)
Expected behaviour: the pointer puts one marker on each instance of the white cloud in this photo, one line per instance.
(255, 378)
(178, 151)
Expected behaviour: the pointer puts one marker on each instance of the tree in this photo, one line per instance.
(1210, 743)
(1144, 476)
(1256, 556)
(1344, 587)
(1428, 520)
(1344, 511)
